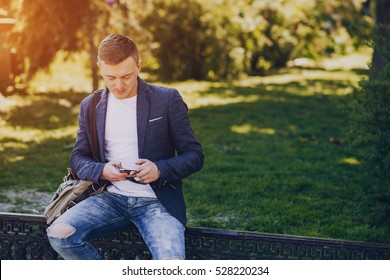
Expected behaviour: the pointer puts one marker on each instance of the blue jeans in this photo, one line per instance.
(107, 212)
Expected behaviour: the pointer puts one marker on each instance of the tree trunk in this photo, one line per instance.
(93, 60)
(382, 18)
(92, 52)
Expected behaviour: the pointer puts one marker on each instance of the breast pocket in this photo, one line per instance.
(157, 135)
(157, 127)
(154, 120)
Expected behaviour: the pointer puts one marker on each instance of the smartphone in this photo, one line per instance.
(128, 171)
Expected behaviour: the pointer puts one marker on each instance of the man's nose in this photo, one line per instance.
(119, 84)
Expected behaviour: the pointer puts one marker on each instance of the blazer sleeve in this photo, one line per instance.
(189, 158)
(82, 161)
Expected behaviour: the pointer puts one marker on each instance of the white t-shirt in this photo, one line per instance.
(121, 143)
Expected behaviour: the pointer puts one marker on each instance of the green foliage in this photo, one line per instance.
(371, 131)
(192, 39)
(189, 45)
(277, 43)
(264, 34)
(274, 32)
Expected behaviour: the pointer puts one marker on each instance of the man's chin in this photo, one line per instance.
(121, 94)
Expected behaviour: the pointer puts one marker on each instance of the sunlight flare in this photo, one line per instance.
(247, 128)
(350, 161)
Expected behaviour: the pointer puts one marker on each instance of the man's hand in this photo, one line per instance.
(110, 172)
(148, 171)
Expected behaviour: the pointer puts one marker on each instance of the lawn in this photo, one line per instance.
(277, 156)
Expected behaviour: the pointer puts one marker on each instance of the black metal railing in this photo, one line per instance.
(23, 236)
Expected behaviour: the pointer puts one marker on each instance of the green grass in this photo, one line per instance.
(277, 155)
(279, 162)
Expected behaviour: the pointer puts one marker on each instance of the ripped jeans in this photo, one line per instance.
(108, 212)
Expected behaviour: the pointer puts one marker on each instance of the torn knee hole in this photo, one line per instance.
(60, 230)
(173, 258)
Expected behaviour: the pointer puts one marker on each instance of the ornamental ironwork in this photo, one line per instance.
(23, 236)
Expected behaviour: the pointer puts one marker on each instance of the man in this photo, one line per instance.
(145, 130)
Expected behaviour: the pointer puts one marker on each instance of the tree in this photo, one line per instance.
(194, 39)
(371, 132)
(45, 26)
(382, 12)
(189, 40)
(371, 122)
(274, 32)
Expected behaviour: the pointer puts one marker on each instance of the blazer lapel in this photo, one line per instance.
(143, 106)
(101, 110)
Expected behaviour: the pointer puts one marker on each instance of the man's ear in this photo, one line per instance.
(139, 65)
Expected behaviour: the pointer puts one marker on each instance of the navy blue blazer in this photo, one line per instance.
(165, 137)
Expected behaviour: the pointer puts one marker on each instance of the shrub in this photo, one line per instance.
(371, 131)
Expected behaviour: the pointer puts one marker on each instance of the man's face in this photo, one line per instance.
(121, 78)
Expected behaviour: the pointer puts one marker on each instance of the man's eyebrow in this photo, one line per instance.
(110, 76)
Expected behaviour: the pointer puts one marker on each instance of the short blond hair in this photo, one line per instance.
(116, 48)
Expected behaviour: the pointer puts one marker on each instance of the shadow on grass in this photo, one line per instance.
(49, 111)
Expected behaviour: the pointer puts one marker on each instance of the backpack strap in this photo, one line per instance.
(92, 190)
(92, 125)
